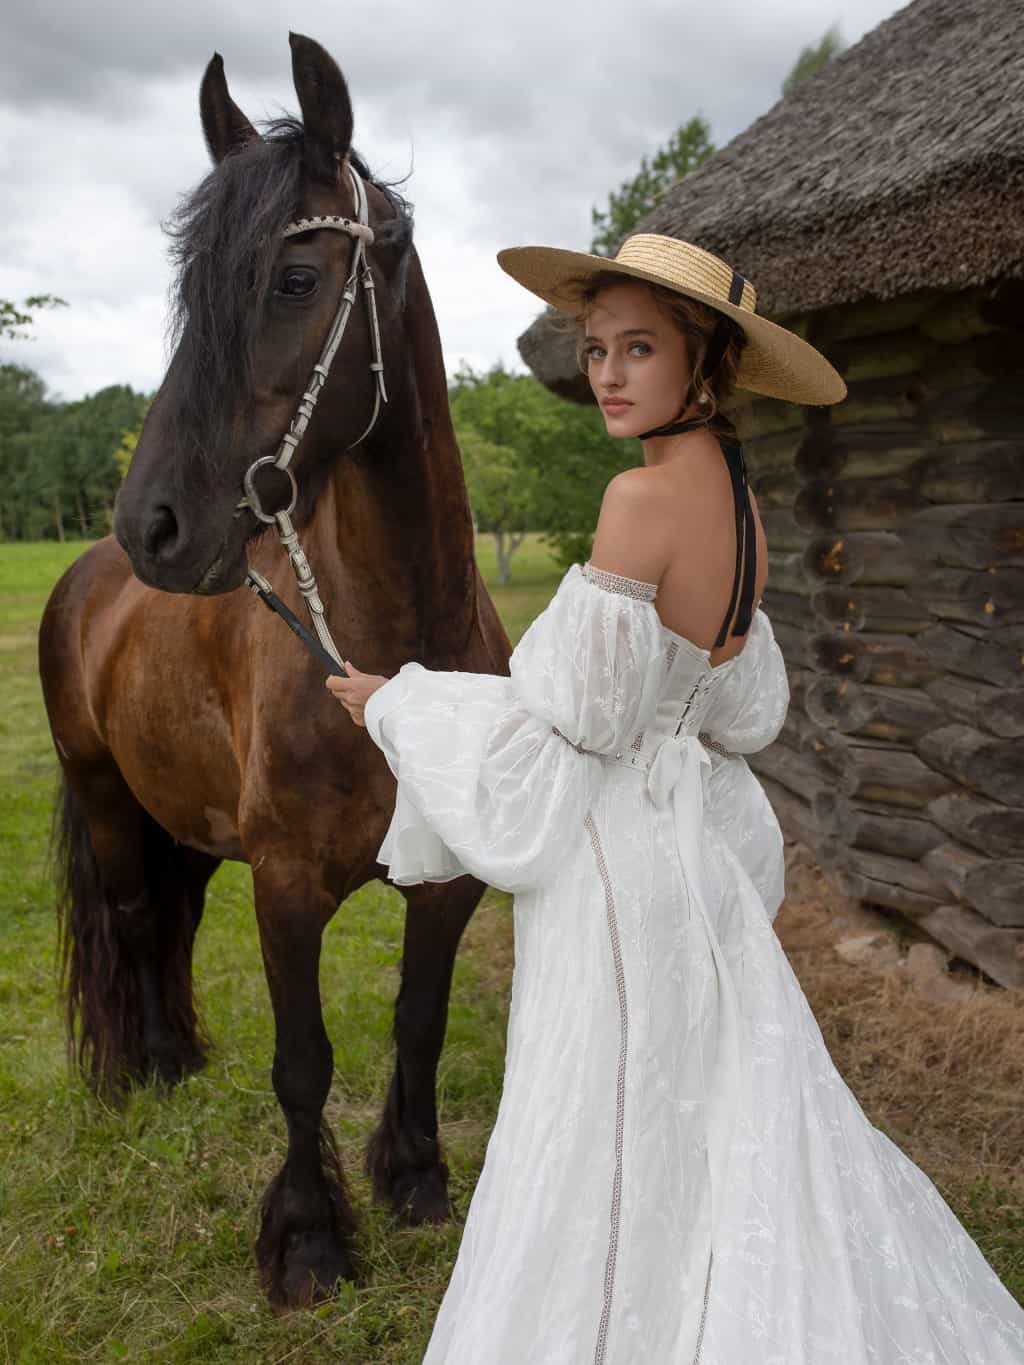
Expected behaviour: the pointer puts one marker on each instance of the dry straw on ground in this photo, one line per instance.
(941, 1069)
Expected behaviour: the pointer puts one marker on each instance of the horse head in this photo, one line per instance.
(270, 256)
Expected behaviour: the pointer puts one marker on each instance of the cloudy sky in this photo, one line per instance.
(514, 119)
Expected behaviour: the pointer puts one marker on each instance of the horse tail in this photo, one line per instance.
(94, 984)
(126, 971)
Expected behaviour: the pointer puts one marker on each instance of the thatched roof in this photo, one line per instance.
(898, 167)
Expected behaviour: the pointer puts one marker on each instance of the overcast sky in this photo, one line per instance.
(514, 118)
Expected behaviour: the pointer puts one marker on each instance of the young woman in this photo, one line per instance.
(677, 1172)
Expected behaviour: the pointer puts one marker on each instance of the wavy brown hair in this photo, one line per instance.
(697, 322)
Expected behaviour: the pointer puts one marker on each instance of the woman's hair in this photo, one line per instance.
(697, 322)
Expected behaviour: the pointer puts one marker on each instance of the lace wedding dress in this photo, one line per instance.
(677, 1175)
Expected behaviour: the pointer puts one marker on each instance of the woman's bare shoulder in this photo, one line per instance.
(653, 517)
(628, 539)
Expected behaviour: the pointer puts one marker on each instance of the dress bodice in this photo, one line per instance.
(493, 770)
(689, 683)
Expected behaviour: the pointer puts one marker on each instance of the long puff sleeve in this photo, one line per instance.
(496, 774)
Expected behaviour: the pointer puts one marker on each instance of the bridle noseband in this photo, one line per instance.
(323, 647)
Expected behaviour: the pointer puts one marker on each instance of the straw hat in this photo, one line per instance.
(775, 362)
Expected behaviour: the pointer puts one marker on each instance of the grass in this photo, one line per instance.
(127, 1235)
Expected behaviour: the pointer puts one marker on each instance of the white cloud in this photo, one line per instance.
(516, 119)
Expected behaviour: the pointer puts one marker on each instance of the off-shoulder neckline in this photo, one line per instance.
(636, 589)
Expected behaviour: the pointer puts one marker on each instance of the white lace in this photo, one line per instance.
(615, 582)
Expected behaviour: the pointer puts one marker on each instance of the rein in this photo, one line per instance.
(322, 645)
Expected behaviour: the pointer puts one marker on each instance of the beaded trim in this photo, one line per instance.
(614, 582)
(638, 740)
(330, 220)
(620, 1090)
(710, 743)
(571, 742)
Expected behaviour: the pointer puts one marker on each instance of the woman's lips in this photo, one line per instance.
(616, 405)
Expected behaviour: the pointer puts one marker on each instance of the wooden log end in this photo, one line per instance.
(998, 952)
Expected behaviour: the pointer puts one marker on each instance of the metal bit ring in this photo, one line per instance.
(252, 498)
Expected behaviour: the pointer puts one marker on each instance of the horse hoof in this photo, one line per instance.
(312, 1266)
(422, 1196)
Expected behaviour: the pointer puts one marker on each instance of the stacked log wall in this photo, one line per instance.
(895, 525)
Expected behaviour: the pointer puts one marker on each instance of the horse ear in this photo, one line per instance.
(326, 107)
(225, 126)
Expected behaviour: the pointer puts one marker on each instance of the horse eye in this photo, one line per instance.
(297, 282)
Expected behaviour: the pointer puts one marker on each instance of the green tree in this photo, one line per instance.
(502, 493)
(91, 431)
(129, 440)
(689, 147)
(813, 58)
(563, 446)
(24, 406)
(58, 472)
(125, 450)
(14, 322)
(58, 466)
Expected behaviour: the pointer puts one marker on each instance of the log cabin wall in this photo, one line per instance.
(895, 525)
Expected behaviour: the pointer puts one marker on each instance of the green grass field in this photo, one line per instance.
(127, 1235)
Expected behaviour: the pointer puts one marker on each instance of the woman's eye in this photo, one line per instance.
(641, 348)
(594, 352)
(296, 282)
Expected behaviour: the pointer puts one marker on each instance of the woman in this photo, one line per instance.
(677, 1172)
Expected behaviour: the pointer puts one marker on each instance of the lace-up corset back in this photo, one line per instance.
(690, 680)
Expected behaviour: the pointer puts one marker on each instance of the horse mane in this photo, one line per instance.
(224, 238)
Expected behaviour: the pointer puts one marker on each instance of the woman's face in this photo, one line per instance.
(636, 359)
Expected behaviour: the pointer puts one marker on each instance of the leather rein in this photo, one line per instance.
(322, 645)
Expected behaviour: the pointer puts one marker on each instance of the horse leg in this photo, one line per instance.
(403, 1158)
(307, 1223)
(130, 906)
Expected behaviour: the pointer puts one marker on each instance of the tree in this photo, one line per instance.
(13, 321)
(502, 493)
(58, 473)
(129, 440)
(23, 408)
(563, 446)
(813, 58)
(689, 147)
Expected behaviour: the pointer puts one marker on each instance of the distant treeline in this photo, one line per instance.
(58, 461)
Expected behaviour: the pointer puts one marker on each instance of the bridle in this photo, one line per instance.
(323, 646)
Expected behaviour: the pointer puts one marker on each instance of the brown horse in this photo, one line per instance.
(191, 726)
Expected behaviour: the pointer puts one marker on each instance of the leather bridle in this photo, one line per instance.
(323, 646)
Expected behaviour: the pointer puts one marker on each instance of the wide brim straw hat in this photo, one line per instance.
(775, 362)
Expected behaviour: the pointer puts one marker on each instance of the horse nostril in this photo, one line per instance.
(161, 533)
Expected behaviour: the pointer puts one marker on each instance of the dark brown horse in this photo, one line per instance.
(191, 726)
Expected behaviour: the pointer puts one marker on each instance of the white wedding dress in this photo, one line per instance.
(677, 1172)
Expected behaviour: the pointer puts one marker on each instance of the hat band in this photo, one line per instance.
(689, 269)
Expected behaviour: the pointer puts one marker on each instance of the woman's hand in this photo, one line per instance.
(354, 691)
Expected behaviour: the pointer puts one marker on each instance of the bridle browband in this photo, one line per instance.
(322, 646)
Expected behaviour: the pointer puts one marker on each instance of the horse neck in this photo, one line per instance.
(399, 508)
